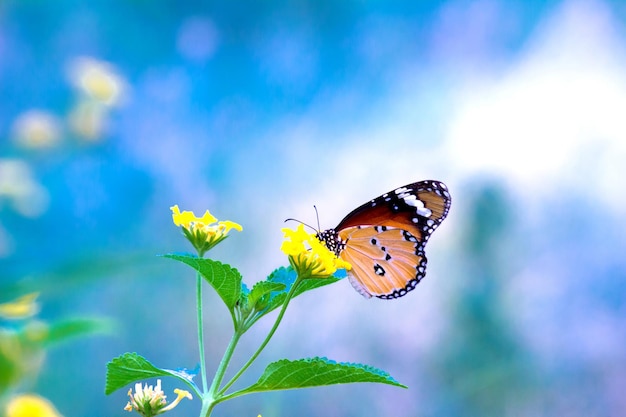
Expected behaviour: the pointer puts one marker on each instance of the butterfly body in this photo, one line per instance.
(384, 239)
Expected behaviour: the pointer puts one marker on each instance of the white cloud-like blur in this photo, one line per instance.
(549, 120)
(556, 117)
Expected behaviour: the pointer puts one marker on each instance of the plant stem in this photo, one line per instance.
(267, 338)
(211, 396)
(221, 370)
(201, 332)
(207, 406)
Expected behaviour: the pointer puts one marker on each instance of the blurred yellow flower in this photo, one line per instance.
(150, 401)
(22, 307)
(97, 80)
(100, 87)
(202, 232)
(21, 354)
(88, 119)
(30, 405)
(308, 256)
(36, 129)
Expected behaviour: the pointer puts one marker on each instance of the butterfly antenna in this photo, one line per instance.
(301, 222)
(318, 218)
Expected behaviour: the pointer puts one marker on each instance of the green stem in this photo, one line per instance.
(209, 409)
(207, 406)
(210, 397)
(265, 342)
(201, 332)
(221, 370)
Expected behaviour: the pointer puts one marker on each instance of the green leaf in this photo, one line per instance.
(263, 289)
(13, 357)
(313, 372)
(225, 279)
(132, 367)
(311, 284)
(254, 304)
(77, 327)
(287, 276)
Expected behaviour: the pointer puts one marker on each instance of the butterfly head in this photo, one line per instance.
(332, 240)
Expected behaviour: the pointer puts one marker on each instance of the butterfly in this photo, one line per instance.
(384, 239)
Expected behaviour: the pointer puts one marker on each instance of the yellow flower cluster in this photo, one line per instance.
(20, 308)
(202, 232)
(150, 401)
(308, 256)
(97, 80)
(30, 405)
(100, 88)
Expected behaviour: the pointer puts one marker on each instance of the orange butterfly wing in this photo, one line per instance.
(385, 264)
(384, 239)
(418, 208)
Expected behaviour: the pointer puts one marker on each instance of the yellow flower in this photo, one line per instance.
(202, 232)
(308, 256)
(30, 405)
(20, 308)
(88, 119)
(37, 129)
(97, 80)
(150, 401)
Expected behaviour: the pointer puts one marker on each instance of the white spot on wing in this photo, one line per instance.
(424, 212)
(419, 206)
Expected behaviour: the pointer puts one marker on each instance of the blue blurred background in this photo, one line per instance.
(111, 112)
